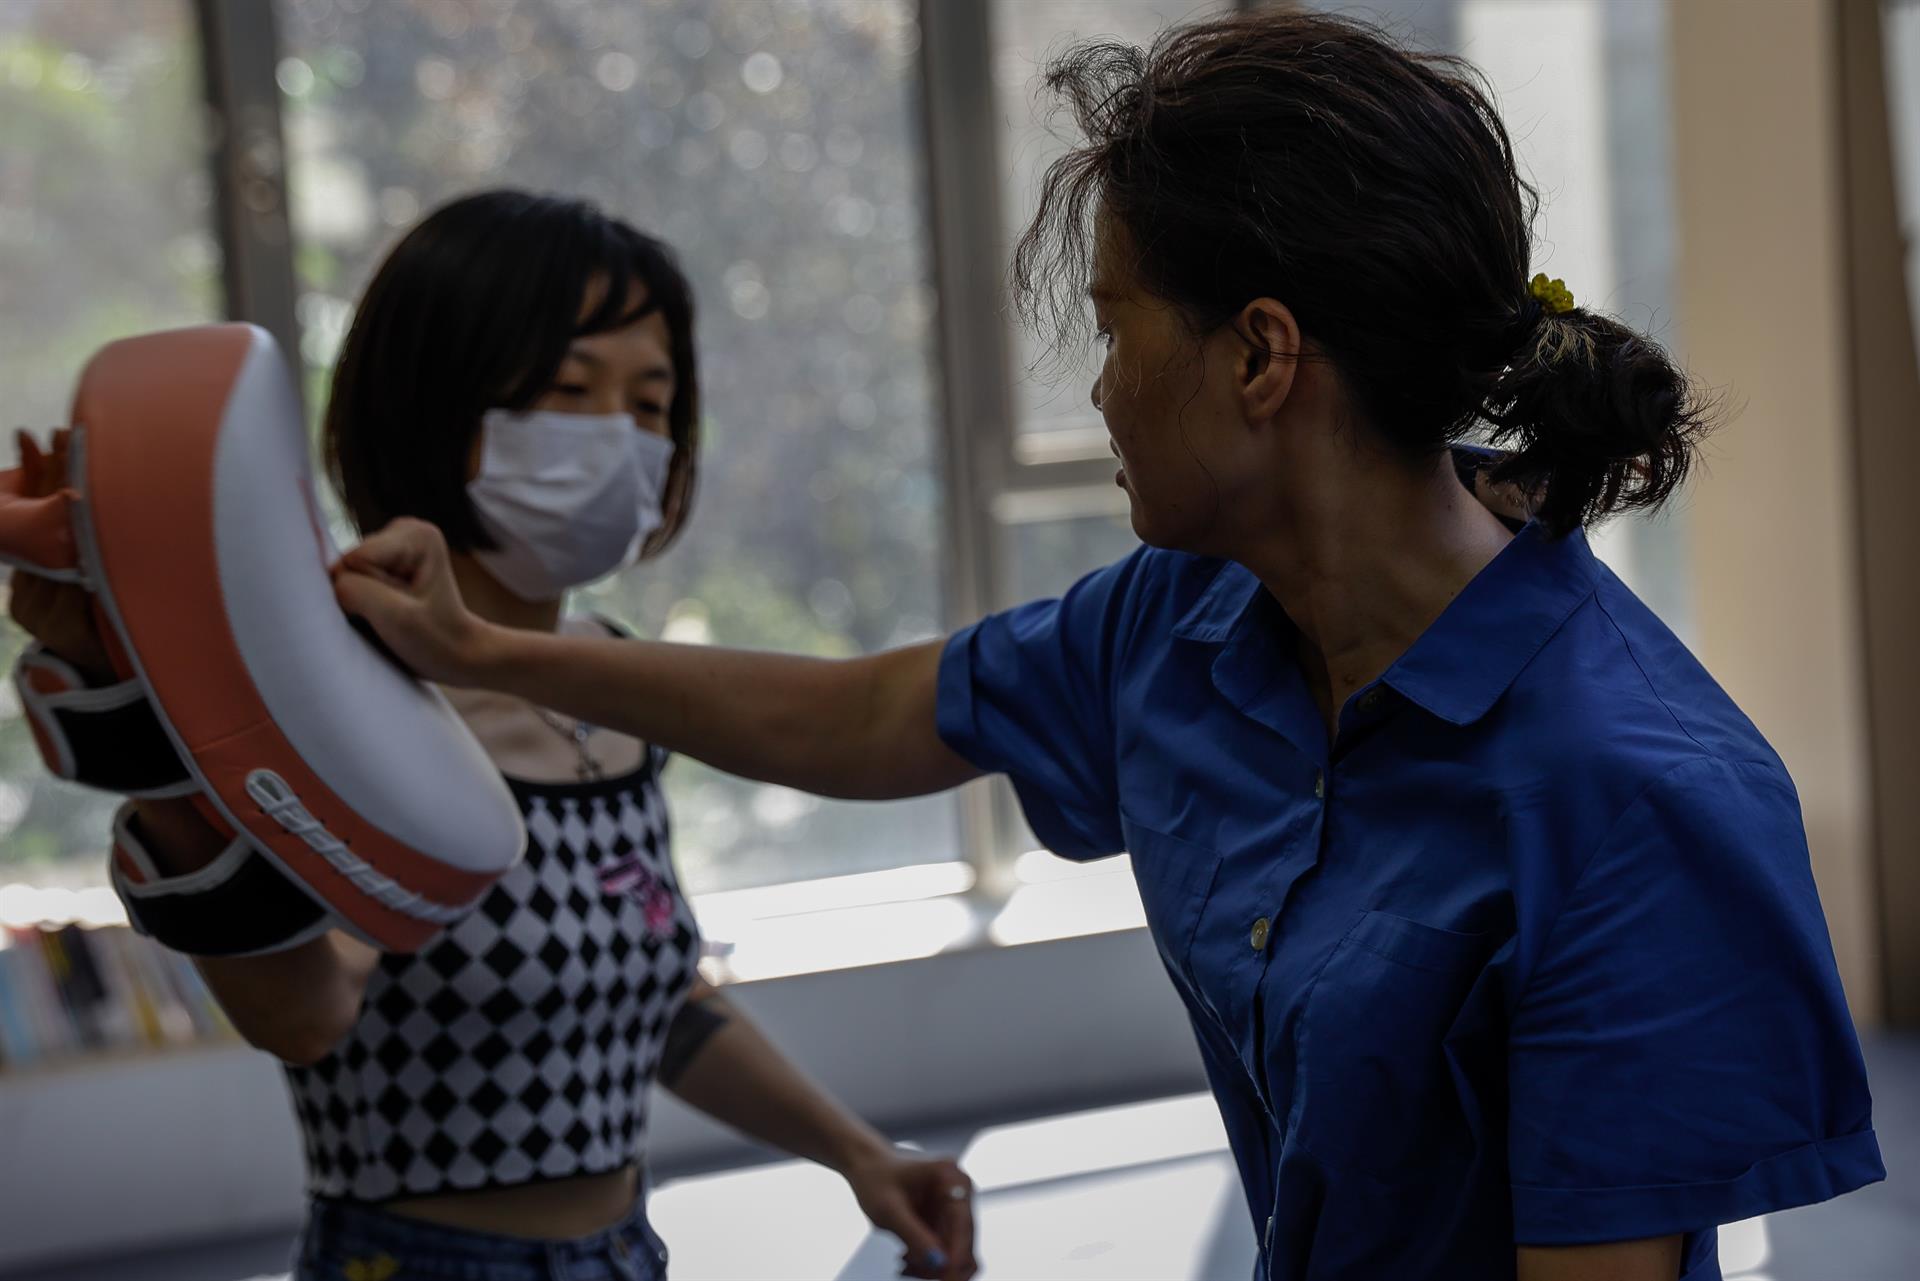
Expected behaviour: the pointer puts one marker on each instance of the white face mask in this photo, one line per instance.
(569, 497)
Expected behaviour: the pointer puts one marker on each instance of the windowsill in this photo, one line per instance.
(810, 927)
(784, 930)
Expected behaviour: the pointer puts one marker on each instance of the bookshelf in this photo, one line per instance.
(74, 993)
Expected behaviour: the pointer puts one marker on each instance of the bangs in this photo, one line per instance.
(622, 264)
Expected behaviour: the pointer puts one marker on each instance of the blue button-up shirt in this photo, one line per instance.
(1529, 952)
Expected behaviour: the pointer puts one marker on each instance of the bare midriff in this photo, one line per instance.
(551, 1210)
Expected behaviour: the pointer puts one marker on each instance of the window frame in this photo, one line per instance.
(997, 477)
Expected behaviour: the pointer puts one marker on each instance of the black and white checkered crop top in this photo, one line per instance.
(522, 1043)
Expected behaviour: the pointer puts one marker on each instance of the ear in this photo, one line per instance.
(1269, 357)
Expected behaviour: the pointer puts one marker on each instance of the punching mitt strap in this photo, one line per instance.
(105, 737)
(238, 905)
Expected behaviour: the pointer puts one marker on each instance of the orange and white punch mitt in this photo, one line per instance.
(352, 793)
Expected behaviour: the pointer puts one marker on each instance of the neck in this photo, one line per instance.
(485, 596)
(1365, 562)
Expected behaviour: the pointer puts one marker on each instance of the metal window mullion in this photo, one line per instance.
(963, 185)
(1093, 473)
(240, 58)
(989, 483)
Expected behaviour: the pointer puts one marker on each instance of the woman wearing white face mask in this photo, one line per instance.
(568, 497)
(521, 371)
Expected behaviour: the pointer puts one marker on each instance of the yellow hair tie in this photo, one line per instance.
(381, 1267)
(1554, 295)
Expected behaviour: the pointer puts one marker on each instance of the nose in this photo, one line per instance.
(1096, 393)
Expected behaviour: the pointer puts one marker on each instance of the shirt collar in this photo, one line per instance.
(1477, 648)
(1227, 597)
(1485, 638)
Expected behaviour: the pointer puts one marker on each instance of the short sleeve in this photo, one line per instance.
(1029, 693)
(1682, 1055)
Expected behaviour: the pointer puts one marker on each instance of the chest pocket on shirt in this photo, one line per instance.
(1175, 877)
(1395, 1061)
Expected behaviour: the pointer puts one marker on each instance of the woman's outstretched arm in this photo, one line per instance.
(860, 728)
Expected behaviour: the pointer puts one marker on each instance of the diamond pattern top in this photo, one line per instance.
(522, 1042)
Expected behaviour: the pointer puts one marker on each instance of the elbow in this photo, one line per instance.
(300, 1048)
(300, 1036)
(299, 1004)
(301, 1043)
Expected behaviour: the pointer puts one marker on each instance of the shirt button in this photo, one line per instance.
(1319, 785)
(1370, 700)
(1261, 928)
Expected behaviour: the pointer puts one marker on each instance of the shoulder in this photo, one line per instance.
(1617, 696)
(1127, 609)
(1626, 769)
(1155, 590)
(1141, 589)
(1707, 800)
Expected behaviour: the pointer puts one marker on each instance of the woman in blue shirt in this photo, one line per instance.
(1492, 912)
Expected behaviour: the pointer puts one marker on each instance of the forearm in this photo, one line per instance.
(860, 728)
(740, 1078)
(295, 1004)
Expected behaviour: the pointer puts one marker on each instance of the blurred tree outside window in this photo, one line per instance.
(105, 230)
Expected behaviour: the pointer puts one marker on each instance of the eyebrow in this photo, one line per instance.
(1103, 293)
(651, 374)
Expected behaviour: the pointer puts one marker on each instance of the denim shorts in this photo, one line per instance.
(348, 1241)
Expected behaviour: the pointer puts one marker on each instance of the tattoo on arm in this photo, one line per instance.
(689, 1032)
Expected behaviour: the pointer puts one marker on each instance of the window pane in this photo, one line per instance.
(1049, 394)
(104, 232)
(1045, 557)
(776, 147)
(1582, 86)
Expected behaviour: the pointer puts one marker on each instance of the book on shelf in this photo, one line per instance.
(71, 991)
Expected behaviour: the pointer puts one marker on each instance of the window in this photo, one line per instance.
(1047, 495)
(105, 213)
(776, 146)
(1050, 395)
(780, 146)
(1046, 557)
(853, 500)
(1582, 86)
(1056, 513)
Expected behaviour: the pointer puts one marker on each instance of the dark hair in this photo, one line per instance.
(1374, 192)
(474, 310)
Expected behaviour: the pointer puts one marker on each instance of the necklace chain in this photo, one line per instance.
(588, 769)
